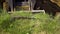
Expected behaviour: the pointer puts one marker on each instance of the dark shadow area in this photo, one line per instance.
(0, 7)
(49, 7)
(18, 2)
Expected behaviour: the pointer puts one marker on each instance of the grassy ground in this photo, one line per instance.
(41, 24)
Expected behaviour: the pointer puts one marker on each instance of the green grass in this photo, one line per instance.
(42, 23)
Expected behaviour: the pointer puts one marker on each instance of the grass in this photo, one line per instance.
(42, 24)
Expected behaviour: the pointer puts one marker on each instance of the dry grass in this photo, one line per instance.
(56, 1)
